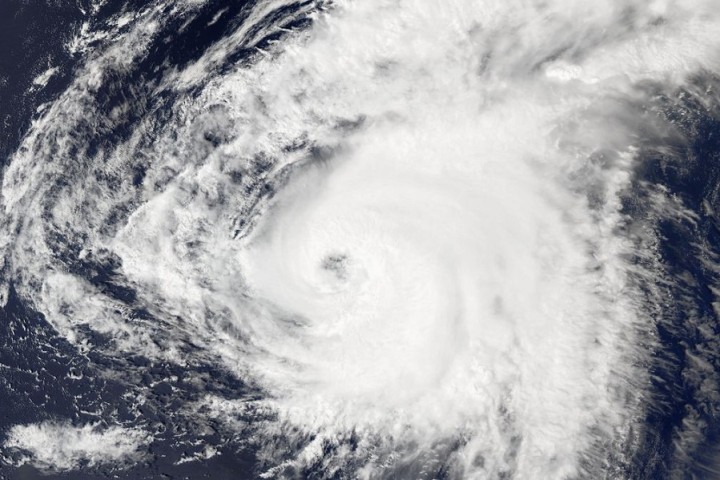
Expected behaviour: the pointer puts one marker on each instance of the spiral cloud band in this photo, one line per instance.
(402, 222)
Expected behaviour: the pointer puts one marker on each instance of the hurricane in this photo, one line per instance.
(368, 239)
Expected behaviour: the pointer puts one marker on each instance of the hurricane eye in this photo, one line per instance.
(337, 265)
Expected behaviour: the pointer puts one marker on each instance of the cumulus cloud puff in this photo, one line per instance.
(56, 446)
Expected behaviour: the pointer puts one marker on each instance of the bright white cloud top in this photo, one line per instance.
(59, 447)
(408, 231)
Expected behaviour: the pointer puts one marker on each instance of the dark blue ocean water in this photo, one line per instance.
(36, 363)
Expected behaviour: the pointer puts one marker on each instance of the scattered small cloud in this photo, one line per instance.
(58, 446)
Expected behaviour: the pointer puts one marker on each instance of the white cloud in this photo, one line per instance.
(62, 447)
(442, 277)
(40, 81)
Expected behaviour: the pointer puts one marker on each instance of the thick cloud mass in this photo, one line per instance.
(403, 222)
